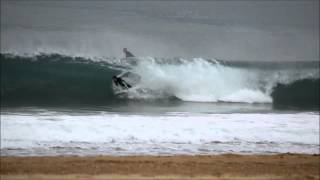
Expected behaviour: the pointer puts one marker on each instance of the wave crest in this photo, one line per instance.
(56, 78)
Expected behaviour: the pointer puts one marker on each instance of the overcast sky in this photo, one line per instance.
(235, 30)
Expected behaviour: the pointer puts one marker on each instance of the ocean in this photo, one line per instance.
(244, 83)
(61, 105)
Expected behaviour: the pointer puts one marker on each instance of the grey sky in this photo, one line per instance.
(235, 30)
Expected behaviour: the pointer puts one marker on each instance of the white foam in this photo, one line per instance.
(249, 96)
(184, 133)
(202, 81)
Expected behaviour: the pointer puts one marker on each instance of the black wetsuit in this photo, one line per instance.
(121, 82)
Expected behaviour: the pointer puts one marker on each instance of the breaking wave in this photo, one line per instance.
(55, 78)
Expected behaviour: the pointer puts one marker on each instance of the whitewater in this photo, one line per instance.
(188, 80)
(201, 80)
(177, 106)
(52, 132)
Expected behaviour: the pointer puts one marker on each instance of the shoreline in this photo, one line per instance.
(226, 166)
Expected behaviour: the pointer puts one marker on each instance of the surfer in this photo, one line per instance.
(119, 81)
(127, 53)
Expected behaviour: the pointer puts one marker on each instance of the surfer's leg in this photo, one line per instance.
(116, 82)
(122, 83)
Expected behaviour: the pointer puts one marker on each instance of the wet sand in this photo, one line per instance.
(228, 166)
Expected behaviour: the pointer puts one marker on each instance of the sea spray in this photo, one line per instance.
(202, 80)
(55, 78)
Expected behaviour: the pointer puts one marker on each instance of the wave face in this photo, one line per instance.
(55, 78)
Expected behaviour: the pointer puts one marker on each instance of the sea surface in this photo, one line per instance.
(61, 105)
(209, 77)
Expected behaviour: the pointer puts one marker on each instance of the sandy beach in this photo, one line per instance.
(228, 166)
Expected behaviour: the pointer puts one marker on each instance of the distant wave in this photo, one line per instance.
(59, 79)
